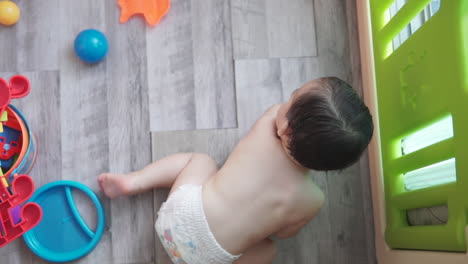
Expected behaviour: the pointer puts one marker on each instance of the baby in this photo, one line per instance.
(229, 215)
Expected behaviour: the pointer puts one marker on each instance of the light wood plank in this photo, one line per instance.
(258, 87)
(353, 43)
(38, 35)
(216, 143)
(214, 66)
(348, 221)
(273, 29)
(17, 252)
(249, 29)
(332, 37)
(41, 109)
(83, 97)
(367, 208)
(8, 61)
(190, 68)
(295, 72)
(357, 83)
(291, 28)
(84, 111)
(129, 138)
(170, 70)
(349, 190)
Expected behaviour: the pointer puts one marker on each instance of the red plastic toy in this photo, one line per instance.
(13, 149)
(9, 149)
(152, 10)
(31, 213)
(19, 87)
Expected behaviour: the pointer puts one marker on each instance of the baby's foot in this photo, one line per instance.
(114, 185)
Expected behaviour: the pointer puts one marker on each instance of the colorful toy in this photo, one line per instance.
(16, 214)
(12, 138)
(152, 10)
(9, 13)
(63, 235)
(3, 180)
(3, 118)
(17, 155)
(15, 211)
(31, 213)
(19, 87)
(91, 45)
(9, 146)
(24, 161)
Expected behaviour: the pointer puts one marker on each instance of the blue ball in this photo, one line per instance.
(91, 45)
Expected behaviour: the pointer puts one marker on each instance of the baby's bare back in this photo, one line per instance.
(259, 192)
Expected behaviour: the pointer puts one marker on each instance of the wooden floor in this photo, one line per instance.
(196, 82)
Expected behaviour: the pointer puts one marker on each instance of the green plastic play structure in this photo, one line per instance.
(419, 83)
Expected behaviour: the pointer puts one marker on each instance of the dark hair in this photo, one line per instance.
(329, 126)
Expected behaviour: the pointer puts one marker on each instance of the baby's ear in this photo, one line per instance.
(283, 129)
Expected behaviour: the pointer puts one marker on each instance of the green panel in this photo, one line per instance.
(418, 84)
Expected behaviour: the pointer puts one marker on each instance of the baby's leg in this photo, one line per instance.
(162, 173)
(262, 253)
(200, 168)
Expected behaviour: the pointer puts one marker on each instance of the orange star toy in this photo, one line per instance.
(152, 10)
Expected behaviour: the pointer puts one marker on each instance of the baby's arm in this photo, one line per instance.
(291, 230)
(309, 209)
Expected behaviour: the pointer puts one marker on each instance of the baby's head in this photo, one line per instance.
(325, 125)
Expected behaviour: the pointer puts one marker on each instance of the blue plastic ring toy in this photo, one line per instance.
(63, 235)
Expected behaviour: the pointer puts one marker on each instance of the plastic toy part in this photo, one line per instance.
(5, 96)
(2, 179)
(152, 10)
(7, 150)
(19, 87)
(9, 145)
(15, 215)
(63, 235)
(9, 13)
(24, 161)
(31, 213)
(91, 46)
(3, 118)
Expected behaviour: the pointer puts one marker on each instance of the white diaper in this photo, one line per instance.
(184, 231)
